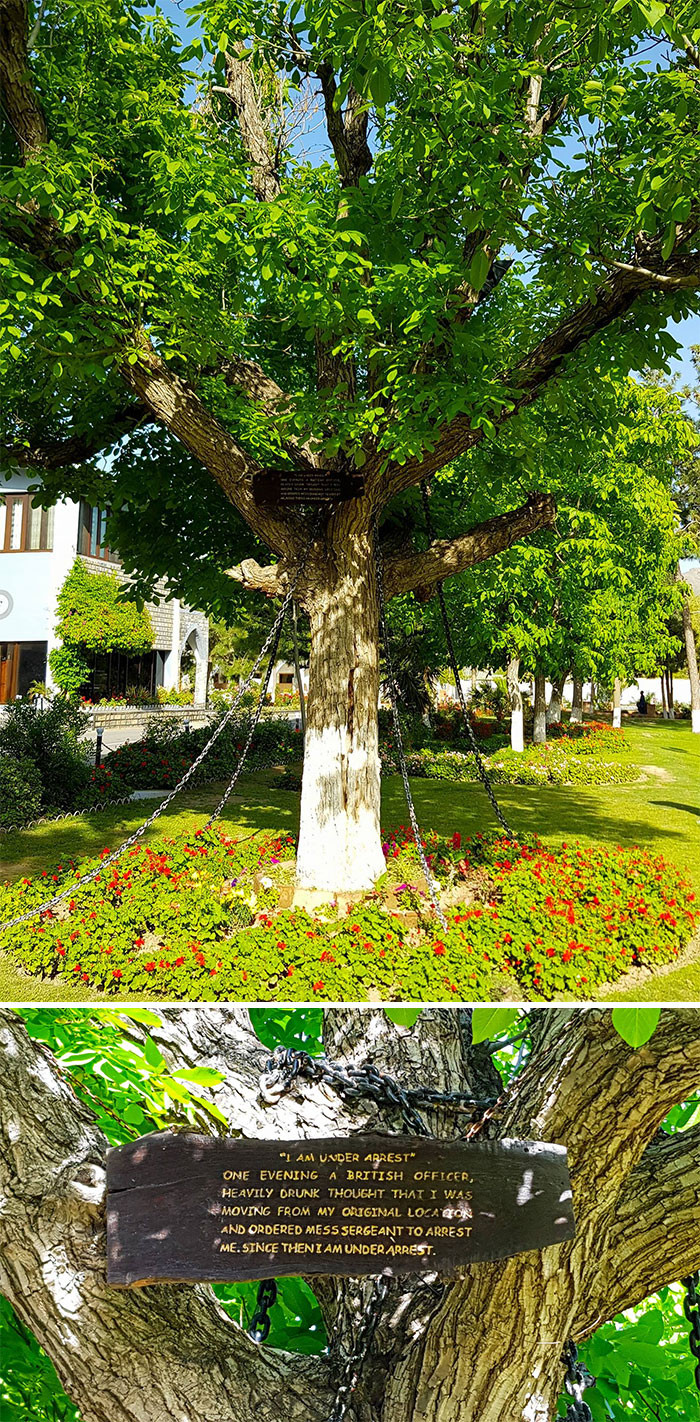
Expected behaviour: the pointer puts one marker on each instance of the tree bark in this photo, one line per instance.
(476, 1349)
(539, 729)
(515, 697)
(577, 699)
(617, 710)
(340, 849)
(555, 699)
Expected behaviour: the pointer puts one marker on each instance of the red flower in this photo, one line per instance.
(116, 972)
(150, 967)
(318, 987)
(439, 949)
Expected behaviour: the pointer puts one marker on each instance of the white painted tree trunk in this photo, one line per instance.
(617, 709)
(577, 699)
(340, 848)
(482, 1348)
(555, 699)
(691, 656)
(539, 730)
(515, 697)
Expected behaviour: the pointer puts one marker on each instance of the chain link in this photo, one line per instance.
(478, 759)
(691, 1308)
(251, 730)
(575, 1381)
(261, 1323)
(430, 880)
(78, 883)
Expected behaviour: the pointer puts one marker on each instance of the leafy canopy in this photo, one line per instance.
(374, 286)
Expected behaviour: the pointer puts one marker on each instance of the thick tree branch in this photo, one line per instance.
(16, 90)
(612, 300)
(257, 142)
(446, 557)
(664, 1192)
(347, 129)
(174, 403)
(147, 1354)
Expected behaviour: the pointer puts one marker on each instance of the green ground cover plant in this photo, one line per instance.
(200, 917)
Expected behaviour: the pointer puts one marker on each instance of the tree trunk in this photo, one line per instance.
(577, 699)
(340, 848)
(617, 710)
(515, 697)
(664, 698)
(691, 656)
(555, 699)
(539, 730)
(669, 692)
(479, 1348)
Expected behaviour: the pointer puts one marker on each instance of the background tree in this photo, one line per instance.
(601, 602)
(480, 1347)
(180, 274)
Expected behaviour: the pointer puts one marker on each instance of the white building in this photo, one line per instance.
(37, 549)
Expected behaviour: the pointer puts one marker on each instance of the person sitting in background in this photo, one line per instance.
(642, 704)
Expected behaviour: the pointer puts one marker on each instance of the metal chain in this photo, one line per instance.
(261, 1323)
(251, 729)
(70, 891)
(430, 880)
(575, 1382)
(356, 1082)
(478, 759)
(352, 1082)
(691, 1308)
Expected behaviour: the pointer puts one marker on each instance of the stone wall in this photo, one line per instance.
(112, 717)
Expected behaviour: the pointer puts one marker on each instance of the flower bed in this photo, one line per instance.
(199, 919)
(558, 764)
(165, 752)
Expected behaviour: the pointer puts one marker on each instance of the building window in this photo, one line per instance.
(92, 541)
(24, 527)
(21, 664)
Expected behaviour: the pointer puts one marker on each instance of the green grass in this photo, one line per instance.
(662, 813)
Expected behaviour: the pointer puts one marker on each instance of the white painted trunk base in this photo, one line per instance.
(517, 730)
(539, 730)
(695, 719)
(339, 851)
(617, 717)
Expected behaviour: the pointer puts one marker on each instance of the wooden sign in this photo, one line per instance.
(185, 1208)
(305, 486)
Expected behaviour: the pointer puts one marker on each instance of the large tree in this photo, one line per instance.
(357, 238)
(479, 1348)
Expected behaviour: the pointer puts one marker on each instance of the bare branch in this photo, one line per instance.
(446, 557)
(257, 579)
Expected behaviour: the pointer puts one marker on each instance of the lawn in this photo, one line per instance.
(662, 813)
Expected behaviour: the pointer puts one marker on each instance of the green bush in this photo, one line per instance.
(49, 738)
(20, 791)
(166, 751)
(558, 764)
(198, 918)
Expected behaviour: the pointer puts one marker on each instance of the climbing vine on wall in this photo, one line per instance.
(94, 617)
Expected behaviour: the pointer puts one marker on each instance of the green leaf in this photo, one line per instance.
(201, 1076)
(380, 86)
(479, 269)
(441, 22)
(403, 1016)
(490, 1022)
(635, 1024)
(153, 1056)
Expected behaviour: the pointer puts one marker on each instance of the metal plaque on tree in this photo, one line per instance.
(188, 1208)
(305, 486)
